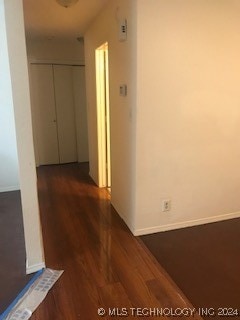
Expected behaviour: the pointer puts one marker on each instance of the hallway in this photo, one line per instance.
(105, 266)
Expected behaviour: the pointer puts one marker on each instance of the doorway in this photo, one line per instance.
(103, 116)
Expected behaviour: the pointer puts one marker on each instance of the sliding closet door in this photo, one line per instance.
(45, 126)
(63, 84)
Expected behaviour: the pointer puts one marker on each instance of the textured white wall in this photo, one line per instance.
(21, 102)
(9, 179)
(188, 112)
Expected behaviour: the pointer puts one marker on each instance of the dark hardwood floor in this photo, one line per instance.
(204, 261)
(105, 266)
(12, 248)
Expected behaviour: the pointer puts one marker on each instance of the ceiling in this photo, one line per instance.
(46, 18)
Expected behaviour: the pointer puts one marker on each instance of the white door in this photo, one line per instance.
(44, 115)
(63, 85)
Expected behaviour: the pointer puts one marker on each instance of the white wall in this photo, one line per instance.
(122, 109)
(79, 89)
(188, 118)
(176, 134)
(21, 102)
(55, 50)
(9, 179)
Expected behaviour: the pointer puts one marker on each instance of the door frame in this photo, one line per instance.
(103, 116)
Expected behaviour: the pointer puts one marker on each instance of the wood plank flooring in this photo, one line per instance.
(105, 266)
(12, 248)
(204, 261)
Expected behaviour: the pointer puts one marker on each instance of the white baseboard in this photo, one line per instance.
(185, 224)
(11, 188)
(35, 267)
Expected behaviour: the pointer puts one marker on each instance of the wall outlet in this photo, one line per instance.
(166, 205)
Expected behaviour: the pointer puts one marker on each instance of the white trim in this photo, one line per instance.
(35, 267)
(11, 188)
(185, 224)
(101, 116)
(103, 120)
